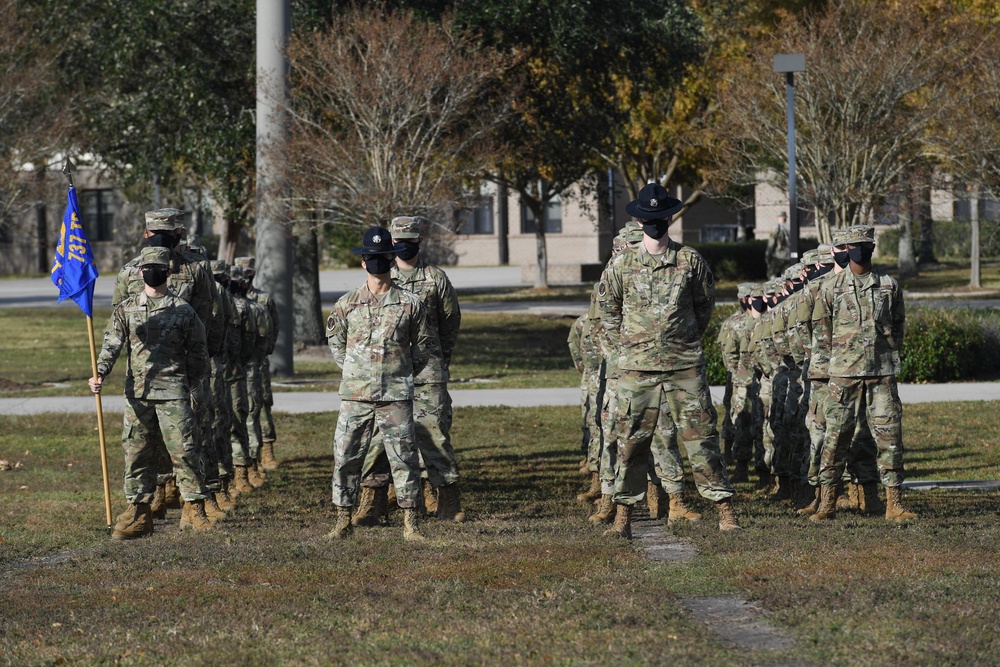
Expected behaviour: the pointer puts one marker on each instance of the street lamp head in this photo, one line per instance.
(790, 62)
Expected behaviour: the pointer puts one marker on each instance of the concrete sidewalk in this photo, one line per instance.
(317, 401)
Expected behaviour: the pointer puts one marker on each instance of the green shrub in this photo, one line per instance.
(950, 344)
(745, 260)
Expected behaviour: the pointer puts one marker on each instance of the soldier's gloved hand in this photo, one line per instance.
(95, 384)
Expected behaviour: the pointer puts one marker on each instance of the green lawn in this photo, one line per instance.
(526, 581)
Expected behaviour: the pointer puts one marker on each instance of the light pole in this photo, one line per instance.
(790, 63)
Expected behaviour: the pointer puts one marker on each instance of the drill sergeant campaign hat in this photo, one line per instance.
(406, 227)
(653, 203)
(154, 257)
(164, 219)
(377, 241)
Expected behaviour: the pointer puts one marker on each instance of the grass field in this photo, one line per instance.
(526, 581)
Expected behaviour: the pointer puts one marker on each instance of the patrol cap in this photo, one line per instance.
(824, 254)
(248, 263)
(198, 250)
(756, 290)
(164, 219)
(632, 232)
(406, 227)
(158, 256)
(854, 234)
(743, 290)
(810, 256)
(377, 241)
(769, 289)
(236, 272)
(219, 267)
(653, 203)
(792, 272)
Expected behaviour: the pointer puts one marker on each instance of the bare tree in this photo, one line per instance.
(874, 87)
(390, 115)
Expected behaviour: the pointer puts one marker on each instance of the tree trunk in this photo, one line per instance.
(923, 214)
(542, 275)
(974, 219)
(907, 262)
(307, 308)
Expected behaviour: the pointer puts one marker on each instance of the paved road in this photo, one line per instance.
(300, 402)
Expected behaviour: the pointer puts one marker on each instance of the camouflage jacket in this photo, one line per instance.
(818, 362)
(766, 357)
(242, 338)
(573, 341)
(383, 344)
(165, 345)
(444, 316)
(654, 309)
(734, 338)
(583, 348)
(860, 320)
(266, 300)
(728, 343)
(778, 329)
(190, 281)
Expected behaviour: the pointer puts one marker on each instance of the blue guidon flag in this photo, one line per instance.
(73, 269)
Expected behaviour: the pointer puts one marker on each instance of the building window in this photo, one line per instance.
(478, 220)
(990, 210)
(97, 209)
(553, 218)
(717, 233)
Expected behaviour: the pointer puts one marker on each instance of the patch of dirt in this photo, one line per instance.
(10, 385)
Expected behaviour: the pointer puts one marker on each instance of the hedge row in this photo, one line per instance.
(952, 239)
(940, 345)
(745, 260)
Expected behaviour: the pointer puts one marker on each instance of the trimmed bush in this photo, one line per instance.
(951, 344)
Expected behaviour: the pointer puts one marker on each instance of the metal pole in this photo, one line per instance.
(274, 248)
(793, 206)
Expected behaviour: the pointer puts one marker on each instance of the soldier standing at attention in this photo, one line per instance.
(379, 336)
(859, 318)
(164, 342)
(656, 302)
(779, 249)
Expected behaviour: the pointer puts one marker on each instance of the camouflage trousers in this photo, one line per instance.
(203, 405)
(728, 427)
(239, 439)
(356, 425)
(793, 425)
(609, 453)
(856, 407)
(266, 419)
(255, 401)
(773, 392)
(432, 416)
(650, 402)
(745, 424)
(861, 458)
(172, 423)
(591, 399)
(222, 426)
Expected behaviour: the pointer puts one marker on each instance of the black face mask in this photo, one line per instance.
(861, 254)
(154, 277)
(163, 240)
(655, 229)
(757, 303)
(378, 264)
(823, 270)
(811, 273)
(409, 251)
(236, 288)
(778, 299)
(842, 258)
(743, 306)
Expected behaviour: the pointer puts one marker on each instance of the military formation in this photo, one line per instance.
(196, 336)
(811, 403)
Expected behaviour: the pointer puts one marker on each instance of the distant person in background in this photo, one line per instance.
(779, 248)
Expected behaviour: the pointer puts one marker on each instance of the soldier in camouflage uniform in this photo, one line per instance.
(242, 342)
(770, 364)
(222, 396)
(586, 354)
(858, 320)
(656, 301)
(268, 434)
(379, 336)
(733, 340)
(190, 281)
(164, 343)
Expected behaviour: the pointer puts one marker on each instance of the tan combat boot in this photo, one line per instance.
(894, 510)
(584, 467)
(764, 483)
(213, 511)
(267, 460)
(135, 522)
(605, 511)
(430, 494)
(411, 526)
(679, 511)
(159, 505)
(727, 516)
(593, 491)
(851, 498)
(344, 528)
(450, 504)
(810, 494)
(870, 502)
(656, 499)
(255, 475)
(371, 506)
(242, 482)
(742, 473)
(782, 489)
(171, 496)
(193, 516)
(622, 527)
(827, 508)
(225, 500)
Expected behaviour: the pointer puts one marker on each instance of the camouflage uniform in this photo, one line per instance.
(654, 310)
(769, 360)
(858, 321)
(255, 376)
(164, 341)
(381, 343)
(735, 353)
(267, 301)
(222, 364)
(587, 357)
(243, 340)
